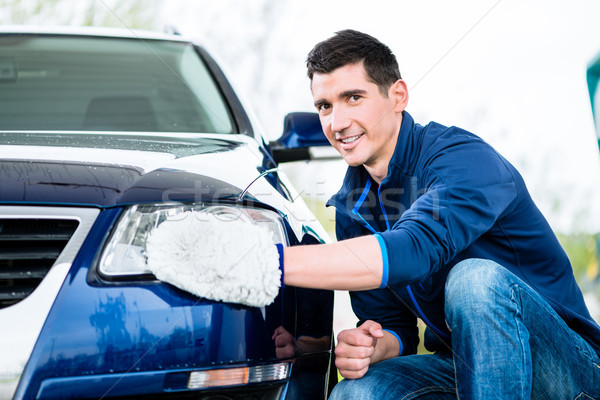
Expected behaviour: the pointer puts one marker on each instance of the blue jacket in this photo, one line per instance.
(449, 196)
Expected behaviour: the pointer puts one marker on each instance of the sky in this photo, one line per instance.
(512, 72)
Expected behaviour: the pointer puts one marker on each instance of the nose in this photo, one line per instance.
(339, 120)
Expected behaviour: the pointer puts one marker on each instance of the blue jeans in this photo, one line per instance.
(507, 343)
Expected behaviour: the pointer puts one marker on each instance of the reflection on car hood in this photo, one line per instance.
(108, 169)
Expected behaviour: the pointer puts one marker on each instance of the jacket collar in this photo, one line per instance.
(402, 164)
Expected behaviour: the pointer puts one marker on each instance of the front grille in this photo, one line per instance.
(28, 249)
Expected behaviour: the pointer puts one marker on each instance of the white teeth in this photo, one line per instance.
(350, 139)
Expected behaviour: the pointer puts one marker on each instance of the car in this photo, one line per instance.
(105, 134)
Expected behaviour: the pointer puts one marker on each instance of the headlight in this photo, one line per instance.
(125, 252)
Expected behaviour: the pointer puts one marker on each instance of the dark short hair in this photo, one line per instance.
(351, 47)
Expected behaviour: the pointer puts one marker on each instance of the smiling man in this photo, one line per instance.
(434, 224)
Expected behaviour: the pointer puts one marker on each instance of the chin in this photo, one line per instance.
(352, 162)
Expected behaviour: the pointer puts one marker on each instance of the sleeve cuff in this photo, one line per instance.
(384, 255)
(399, 340)
(279, 247)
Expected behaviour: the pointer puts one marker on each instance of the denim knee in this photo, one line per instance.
(351, 389)
(473, 283)
(404, 377)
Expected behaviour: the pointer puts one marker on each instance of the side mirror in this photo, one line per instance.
(302, 139)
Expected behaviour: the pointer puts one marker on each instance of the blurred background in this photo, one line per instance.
(512, 72)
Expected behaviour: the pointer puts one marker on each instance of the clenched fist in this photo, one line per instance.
(356, 348)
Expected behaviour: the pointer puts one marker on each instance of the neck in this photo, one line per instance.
(378, 172)
(378, 168)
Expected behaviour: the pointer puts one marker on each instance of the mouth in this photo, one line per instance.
(350, 139)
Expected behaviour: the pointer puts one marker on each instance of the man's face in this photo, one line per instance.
(360, 122)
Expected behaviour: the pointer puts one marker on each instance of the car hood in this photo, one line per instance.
(107, 169)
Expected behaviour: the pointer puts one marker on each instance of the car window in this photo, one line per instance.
(57, 83)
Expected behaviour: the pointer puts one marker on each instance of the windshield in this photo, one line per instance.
(58, 83)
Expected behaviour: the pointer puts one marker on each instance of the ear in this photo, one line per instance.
(398, 92)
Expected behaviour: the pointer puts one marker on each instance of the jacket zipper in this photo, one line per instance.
(387, 224)
(422, 314)
(361, 200)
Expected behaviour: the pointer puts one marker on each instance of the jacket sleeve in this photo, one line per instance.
(383, 305)
(466, 190)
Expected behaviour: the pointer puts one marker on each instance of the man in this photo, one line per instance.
(434, 224)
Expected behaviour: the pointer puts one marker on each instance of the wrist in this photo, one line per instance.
(386, 347)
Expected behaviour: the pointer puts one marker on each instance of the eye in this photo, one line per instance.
(354, 98)
(324, 107)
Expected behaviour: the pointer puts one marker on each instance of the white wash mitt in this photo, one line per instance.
(218, 259)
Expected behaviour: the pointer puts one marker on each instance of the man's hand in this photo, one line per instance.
(356, 348)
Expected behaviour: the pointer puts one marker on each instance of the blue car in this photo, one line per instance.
(104, 134)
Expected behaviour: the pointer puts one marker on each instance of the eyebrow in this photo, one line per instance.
(342, 95)
(351, 92)
(320, 102)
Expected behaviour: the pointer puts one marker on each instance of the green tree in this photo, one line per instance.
(582, 249)
(130, 14)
